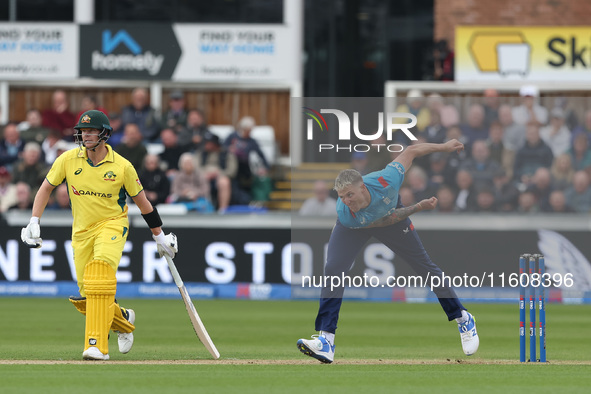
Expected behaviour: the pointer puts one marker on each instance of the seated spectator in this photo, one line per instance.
(465, 197)
(359, 162)
(176, 116)
(61, 200)
(8, 195)
(87, 103)
(456, 132)
(142, 114)
(562, 172)
(32, 128)
(53, 146)
(505, 192)
(541, 187)
(474, 128)
(571, 120)
(448, 114)
(241, 144)
(578, 196)
(527, 203)
(480, 166)
(321, 204)
(491, 105)
(11, 146)
(59, 117)
(118, 129)
(23, 194)
(446, 200)
(584, 128)
(439, 172)
(435, 131)
(406, 197)
(417, 180)
(558, 203)
(556, 135)
(415, 104)
(155, 182)
(485, 200)
(196, 128)
(132, 148)
(220, 168)
(172, 151)
(513, 133)
(30, 169)
(190, 186)
(580, 154)
(495, 145)
(530, 111)
(534, 154)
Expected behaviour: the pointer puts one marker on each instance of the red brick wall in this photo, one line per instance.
(451, 13)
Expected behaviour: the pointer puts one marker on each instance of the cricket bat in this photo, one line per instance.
(193, 315)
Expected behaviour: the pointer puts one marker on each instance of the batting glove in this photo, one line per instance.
(167, 244)
(31, 235)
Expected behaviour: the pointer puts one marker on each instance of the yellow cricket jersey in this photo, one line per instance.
(97, 193)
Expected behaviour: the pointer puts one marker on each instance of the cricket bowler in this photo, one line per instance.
(99, 181)
(369, 206)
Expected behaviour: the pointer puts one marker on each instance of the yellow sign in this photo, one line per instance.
(492, 53)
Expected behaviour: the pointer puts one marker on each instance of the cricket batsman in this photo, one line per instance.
(99, 180)
(369, 206)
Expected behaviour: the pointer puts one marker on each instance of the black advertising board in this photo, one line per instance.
(128, 51)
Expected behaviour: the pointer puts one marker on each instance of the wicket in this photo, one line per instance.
(532, 266)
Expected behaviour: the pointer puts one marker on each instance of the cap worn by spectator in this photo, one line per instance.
(4, 171)
(176, 95)
(529, 90)
(211, 137)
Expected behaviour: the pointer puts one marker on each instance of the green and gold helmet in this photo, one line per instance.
(93, 119)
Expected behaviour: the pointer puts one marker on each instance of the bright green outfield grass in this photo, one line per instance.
(381, 347)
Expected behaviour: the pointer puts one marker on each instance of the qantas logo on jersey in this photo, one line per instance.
(90, 193)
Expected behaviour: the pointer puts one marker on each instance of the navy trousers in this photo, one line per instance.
(345, 244)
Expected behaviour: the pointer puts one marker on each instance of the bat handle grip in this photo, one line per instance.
(174, 271)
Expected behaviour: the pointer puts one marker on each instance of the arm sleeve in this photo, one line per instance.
(254, 146)
(132, 183)
(57, 173)
(394, 174)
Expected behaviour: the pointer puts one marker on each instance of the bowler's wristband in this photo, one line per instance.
(153, 219)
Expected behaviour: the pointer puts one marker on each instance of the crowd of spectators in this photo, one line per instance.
(519, 156)
(524, 157)
(194, 168)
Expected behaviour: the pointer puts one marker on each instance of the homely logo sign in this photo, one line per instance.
(123, 51)
(394, 121)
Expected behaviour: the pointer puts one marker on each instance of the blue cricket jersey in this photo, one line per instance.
(383, 187)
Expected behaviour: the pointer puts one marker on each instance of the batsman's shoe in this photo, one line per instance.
(317, 347)
(125, 339)
(93, 353)
(469, 335)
